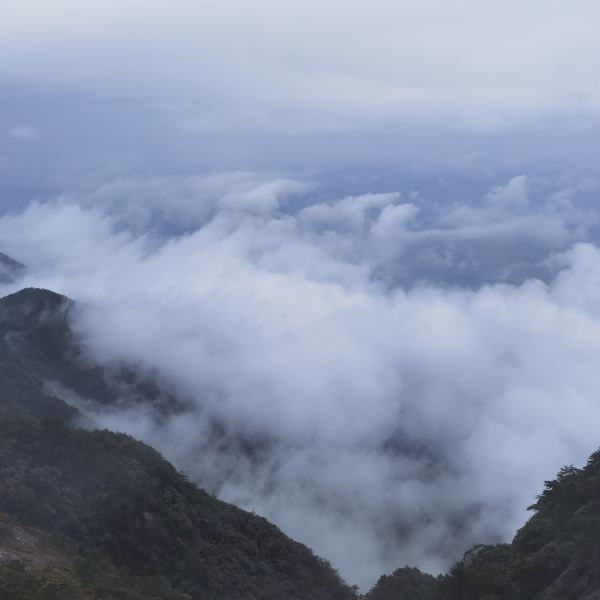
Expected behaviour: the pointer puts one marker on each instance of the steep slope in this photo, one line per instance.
(554, 556)
(138, 527)
(35, 334)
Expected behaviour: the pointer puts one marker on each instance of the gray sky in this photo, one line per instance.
(334, 64)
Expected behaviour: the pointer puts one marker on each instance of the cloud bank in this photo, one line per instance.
(388, 379)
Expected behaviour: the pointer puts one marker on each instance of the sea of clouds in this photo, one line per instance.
(360, 242)
(389, 380)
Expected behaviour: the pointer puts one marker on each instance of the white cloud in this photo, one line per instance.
(512, 196)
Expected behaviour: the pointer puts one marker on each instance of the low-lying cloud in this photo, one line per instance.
(393, 379)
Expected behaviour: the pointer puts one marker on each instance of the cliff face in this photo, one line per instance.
(126, 523)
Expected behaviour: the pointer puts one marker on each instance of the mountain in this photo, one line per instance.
(9, 269)
(100, 515)
(35, 333)
(554, 556)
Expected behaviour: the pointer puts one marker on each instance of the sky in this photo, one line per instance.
(362, 238)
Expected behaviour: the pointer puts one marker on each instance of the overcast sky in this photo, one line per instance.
(304, 85)
(364, 234)
(333, 62)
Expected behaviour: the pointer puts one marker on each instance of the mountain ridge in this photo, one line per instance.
(131, 515)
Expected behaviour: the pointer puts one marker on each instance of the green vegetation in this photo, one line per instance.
(404, 584)
(17, 582)
(119, 499)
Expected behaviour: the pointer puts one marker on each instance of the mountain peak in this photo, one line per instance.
(33, 300)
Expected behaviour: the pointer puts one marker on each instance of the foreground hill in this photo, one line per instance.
(554, 556)
(124, 523)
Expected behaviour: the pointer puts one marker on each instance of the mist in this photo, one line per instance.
(366, 402)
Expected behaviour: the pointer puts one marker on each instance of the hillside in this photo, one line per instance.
(126, 523)
(36, 335)
(554, 556)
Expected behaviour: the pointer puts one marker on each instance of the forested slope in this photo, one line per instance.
(132, 526)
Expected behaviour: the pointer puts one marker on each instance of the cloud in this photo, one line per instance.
(183, 203)
(513, 195)
(25, 133)
(366, 401)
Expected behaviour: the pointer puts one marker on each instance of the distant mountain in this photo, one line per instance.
(10, 269)
(99, 515)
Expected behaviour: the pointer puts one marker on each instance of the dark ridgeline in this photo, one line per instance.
(131, 526)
